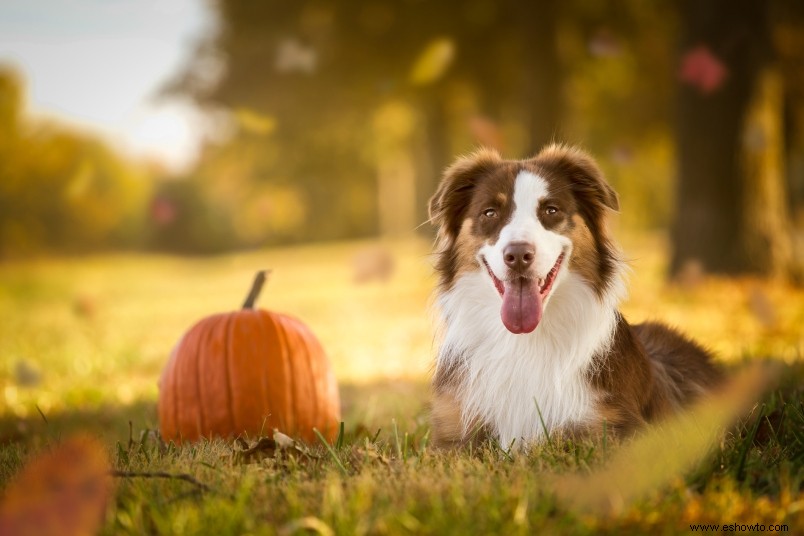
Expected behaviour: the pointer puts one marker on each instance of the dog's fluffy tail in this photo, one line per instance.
(683, 370)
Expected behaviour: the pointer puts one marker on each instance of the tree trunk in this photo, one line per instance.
(729, 144)
(432, 155)
(396, 175)
(768, 233)
(542, 76)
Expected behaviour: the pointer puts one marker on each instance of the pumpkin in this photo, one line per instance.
(246, 373)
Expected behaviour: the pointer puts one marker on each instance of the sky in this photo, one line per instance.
(98, 64)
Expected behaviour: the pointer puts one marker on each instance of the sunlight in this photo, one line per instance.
(168, 134)
(99, 65)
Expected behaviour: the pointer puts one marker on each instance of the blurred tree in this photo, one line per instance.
(183, 221)
(789, 45)
(619, 62)
(321, 70)
(10, 101)
(308, 84)
(731, 214)
(60, 190)
(543, 80)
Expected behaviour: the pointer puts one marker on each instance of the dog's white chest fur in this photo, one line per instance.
(508, 379)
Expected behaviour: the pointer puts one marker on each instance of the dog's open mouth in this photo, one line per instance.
(523, 298)
(546, 284)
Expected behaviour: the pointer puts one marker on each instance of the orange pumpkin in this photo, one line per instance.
(248, 372)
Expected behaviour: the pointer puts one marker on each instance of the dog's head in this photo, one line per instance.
(524, 224)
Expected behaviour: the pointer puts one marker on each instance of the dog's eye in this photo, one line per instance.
(550, 210)
(490, 213)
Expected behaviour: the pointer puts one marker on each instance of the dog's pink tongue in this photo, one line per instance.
(522, 305)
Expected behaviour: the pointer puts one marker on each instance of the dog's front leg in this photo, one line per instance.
(448, 429)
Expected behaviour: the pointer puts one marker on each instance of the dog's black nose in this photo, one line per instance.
(519, 255)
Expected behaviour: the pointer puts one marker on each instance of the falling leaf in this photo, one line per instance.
(307, 524)
(603, 44)
(63, 492)
(293, 56)
(163, 211)
(762, 307)
(691, 274)
(665, 450)
(433, 62)
(255, 122)
(486, 132)
(700, 68)
(26, 373)
(393, 123)
(85, 306)
(81, 181)
(374, 263)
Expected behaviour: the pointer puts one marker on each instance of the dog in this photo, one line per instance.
(531, 340)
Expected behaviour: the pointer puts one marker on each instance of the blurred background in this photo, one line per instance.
(208, 126)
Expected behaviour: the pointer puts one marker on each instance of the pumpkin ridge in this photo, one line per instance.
(246, 363)
(175, 386)
(287, 366)
(211, 368)
(264, 391)
(170, 386)
(200, 397)
(185, 378)
(227, 351)
(193, 376)
(311, 373)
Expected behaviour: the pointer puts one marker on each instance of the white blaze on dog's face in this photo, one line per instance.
(524, 224)
(525, 262)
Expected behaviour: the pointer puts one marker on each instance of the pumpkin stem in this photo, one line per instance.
(256, 287)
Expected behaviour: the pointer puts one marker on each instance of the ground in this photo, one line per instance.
(83, 341)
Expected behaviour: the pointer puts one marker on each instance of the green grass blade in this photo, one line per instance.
(339, 440)
(746, 446)
(541, 420)
(331, 452)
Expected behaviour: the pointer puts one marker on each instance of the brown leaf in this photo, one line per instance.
(265, 447)
(63, 492)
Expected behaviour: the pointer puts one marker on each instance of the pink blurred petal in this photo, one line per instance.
(703, 70)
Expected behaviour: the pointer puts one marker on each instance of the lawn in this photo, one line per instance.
(83, 341)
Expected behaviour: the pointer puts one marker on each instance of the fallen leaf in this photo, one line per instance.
(63, 492)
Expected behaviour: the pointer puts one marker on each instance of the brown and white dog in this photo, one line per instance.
(530, 281)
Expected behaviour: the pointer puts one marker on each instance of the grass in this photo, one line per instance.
(83, 341)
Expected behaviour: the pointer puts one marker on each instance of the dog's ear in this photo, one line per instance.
(586, 177)
(588, 182)
(448, 205)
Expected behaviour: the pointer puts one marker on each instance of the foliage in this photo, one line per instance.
(335, 119)
(61, 190)
(508, 74)
(185, 220)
